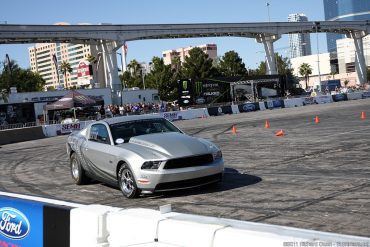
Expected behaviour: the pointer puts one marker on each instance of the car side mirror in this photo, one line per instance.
(120, 141)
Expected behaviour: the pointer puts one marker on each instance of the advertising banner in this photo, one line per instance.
(309, 101)
(70, 127)
(271, 104)
(216, 111)
(248, 107)
(339, 97)
(185, 92)
(365, 95)
(171, 116)
(323, 99)
(21, 223)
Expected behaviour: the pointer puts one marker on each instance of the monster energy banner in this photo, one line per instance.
(199, 92)
(224, 89)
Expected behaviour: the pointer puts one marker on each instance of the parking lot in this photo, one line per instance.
(317, 176)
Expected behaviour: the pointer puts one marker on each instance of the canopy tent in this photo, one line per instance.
(71, 100)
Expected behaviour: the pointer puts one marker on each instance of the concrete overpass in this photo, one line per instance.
(109, 38)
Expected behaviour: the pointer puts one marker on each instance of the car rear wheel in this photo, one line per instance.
(127, 183)
(77, 172)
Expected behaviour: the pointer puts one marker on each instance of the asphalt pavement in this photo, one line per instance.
(316, 176)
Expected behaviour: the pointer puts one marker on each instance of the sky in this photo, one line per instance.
(163, 12)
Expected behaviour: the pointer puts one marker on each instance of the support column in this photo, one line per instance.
(360, 64)
(268, 42)
(112, 81)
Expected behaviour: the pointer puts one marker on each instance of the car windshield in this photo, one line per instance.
(128, 129)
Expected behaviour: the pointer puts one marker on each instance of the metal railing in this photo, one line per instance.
(25, 125)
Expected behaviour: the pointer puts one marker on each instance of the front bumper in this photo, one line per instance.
(173, 179)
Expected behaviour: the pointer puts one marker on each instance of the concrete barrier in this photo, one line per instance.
(354, 96)
(295, 102)
(55, 223)
(21, 135)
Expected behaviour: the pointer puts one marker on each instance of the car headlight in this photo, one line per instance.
(151, 165)
(217, 155)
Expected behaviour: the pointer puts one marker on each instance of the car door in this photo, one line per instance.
(98, 151)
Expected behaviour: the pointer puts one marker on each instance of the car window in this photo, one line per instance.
(128, 129)
(99, 133)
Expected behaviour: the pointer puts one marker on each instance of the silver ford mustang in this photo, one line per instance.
(141, 154)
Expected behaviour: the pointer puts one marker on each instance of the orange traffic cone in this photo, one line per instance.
(363, 115)
(280, 133)
(317, 120)
(233, 130)
(267, 125)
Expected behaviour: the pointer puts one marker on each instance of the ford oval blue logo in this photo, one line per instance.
(249, 107)
(13, 223)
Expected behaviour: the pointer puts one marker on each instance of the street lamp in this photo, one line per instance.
(123, 83)
(318, 53)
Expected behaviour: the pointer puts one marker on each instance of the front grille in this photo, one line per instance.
(192, 161)
(188, 183)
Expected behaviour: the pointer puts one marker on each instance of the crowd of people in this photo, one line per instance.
(134, 109)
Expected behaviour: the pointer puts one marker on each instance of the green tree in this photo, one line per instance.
(65, 68)
(134, 67)
(231, 64)
(197, 65)
(23, 79)
(163, 78)
(305, 70)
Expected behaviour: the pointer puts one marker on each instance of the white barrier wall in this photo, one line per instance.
(354, 96)
(295, 102)
(110, 227)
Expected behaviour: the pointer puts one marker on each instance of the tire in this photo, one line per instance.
(127, 183)
(77, 172)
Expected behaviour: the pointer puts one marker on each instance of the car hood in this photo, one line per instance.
(169, 145)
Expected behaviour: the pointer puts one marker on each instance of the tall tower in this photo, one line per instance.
(344, 10)
(299, 43)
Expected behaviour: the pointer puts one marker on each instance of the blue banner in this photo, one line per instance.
(272, 104)
(248, 107)
(21, 222)
(339, 97)
(366, 95)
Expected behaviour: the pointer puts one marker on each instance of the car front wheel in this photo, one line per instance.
(127, 183)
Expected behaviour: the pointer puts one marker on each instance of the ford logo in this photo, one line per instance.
(249, 107)
(200, 101)
(13, 223)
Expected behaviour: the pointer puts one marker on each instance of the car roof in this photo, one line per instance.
(130, 118)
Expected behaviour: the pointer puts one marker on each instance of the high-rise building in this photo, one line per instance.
(44, 57)
(347, 54)
(181, 53)
(299, 43)
(344, 10)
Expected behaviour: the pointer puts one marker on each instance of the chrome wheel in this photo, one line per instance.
(75, 170)
(127, 182)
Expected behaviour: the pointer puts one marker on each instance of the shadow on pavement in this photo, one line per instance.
(232, 180)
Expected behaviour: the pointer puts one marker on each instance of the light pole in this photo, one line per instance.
(268, 10)
(142, 76)
(318, 53)
(123, 83)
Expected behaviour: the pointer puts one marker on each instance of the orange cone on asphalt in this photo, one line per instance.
(280, 133)
(363, 115)
(233, 130)
(267, 125)
(317, 120)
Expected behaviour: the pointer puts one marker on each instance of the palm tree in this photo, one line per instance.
(305, 70)
(134, 67)
(64, 68)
